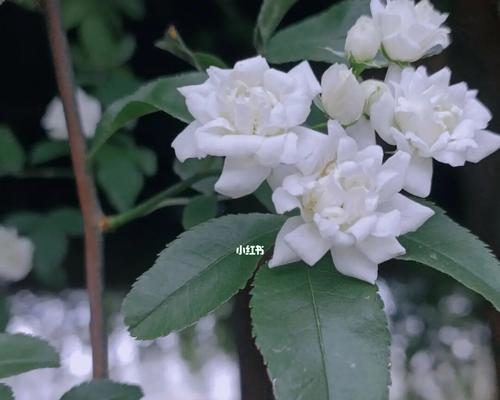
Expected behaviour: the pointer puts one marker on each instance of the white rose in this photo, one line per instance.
(248, 115)
(16, 255)
(428, 118)
(349, 205)
(410, 31)
(341, 94)
(55, 124)
(363, 40)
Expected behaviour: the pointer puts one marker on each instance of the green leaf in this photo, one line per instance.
(6, 392)
(200, 209)
(104, 389)
(196, 273)
(21, 353)
(118, 176)
(12, 156)
(48, 150)
(159, 95)
(4, 313)
(68, 220)
(448, 247)
(321, 333)
(173, 43)
(270, 16)
(193, 166)
(315, 37)
(264, 195)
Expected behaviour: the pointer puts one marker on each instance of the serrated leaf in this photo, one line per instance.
(320, 333)
(103, 389)
(270, 15)
(21, 353)
(48, 150)
(193, 166)
(12, 156)
(448, 247)
(315, 37)
(196, 273)
(199, 209)
(118, 176)
(6, 392)
(159, 95)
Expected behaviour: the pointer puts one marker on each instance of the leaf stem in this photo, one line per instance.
(159, 200)
(87, 195)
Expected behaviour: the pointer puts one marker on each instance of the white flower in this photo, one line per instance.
(363, 40)
(247, 114)
(410, 31)
(16, 255)
(427, 118)
(374, 90)
(341, 94)
(349, 205)
(55, 124)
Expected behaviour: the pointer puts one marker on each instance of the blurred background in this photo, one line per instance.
(446, 340)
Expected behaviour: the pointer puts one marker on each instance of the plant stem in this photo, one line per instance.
(89, 203)
(159, 200)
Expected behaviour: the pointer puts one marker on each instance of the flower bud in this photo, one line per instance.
(373, 90)
(342, 95)
(16, 255)
(363, 40)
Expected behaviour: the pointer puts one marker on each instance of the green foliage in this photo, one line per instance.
(270, 16)
(193, 166)
(450, 248)
(21, 353)
(320, 332)
(48, 150)
(200, 209)
(49, 233)
(159, 95)
(4, 313)
(120, 167)
(12, 156)
(120, 84)
(315, 37)
(6, 392)
(264, 194)
(196, 273)
(103, 389)
(173, 43)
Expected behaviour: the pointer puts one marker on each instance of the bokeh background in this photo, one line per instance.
(446, 340)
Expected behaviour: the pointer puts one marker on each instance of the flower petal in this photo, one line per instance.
(351, 262)
(283, 254)
(307, 243)
(240, 176)
(487, 143)
(185, 143)
(362, 132)
(284, 201)
(419, 176)
(413, 214)
(380, 249)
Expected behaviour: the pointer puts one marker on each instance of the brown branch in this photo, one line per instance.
(87, 196)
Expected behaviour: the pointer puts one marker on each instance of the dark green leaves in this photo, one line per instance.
(448, 247)
(159, 95)
(48, 150)
(323, 335)
(270, 16)
(104, 390)
(199, 209)
(312, 38)
(194, 166)
(196, 273)
(12, 157)
(22, 353)
(6, 392)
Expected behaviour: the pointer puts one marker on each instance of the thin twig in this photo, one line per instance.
(89, 203)
(113, 222)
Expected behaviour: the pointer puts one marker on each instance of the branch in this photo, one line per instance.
(159, 200)
(89, 203)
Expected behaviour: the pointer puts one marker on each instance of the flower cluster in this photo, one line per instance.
(349, 197)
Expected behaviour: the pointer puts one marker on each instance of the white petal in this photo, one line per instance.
(419, 176)
(351, 262)
(304, 74)
(185, 143)
(362, 132)
(393, 175)
(240, 176)
(276, 149)
(380, 249)
(488, 142)
(363, 227)
(279, 173)
(284, 201)
(413, 214)
(382, 117)
(307, 243)
(283, 254)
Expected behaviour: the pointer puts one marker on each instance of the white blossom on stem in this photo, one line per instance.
(16, 255)
(363, 40)
(428, 118)
(247, 114)
(349, 205)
